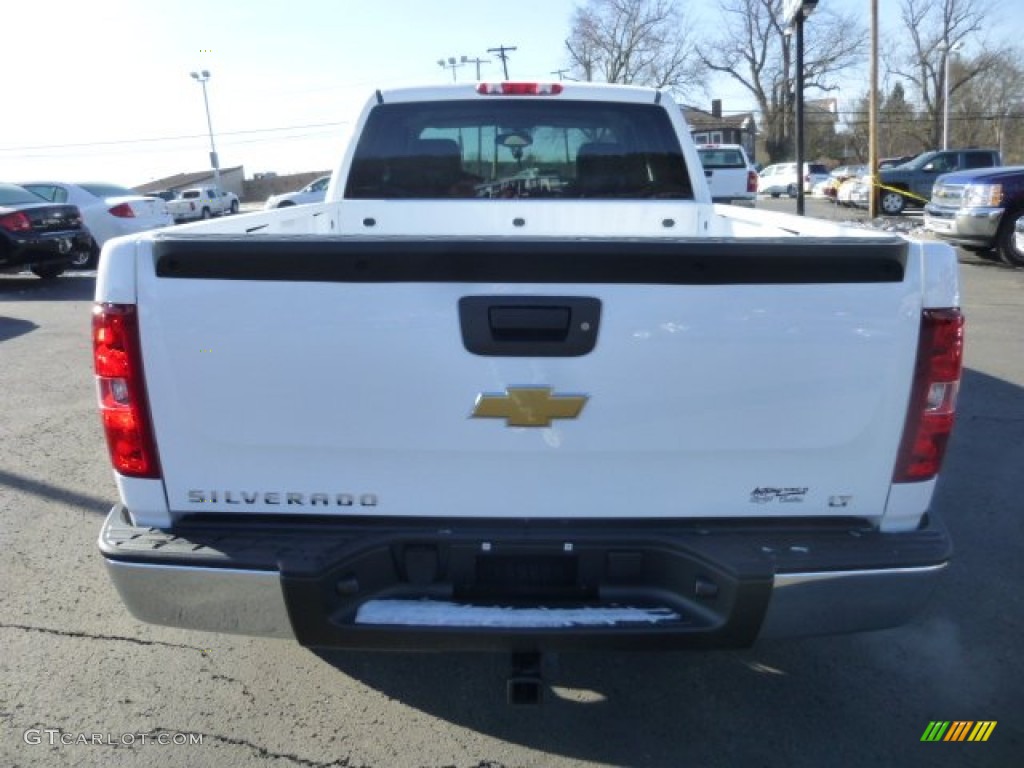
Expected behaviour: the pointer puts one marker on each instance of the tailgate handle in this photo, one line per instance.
(708, 173)
(529, 323)
(529, 326)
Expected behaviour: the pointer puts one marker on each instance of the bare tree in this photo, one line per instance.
(754, 49)
(934, 30)
(640, 42)
(989, 109)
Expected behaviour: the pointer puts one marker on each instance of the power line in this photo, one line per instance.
(119, 142)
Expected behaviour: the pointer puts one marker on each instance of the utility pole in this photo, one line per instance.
(502, 53)
(561, 73)
(478, 62)
(873, 115)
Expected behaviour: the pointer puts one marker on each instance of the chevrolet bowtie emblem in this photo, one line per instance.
(528, 406)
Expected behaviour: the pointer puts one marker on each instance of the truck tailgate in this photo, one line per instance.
(726, 377)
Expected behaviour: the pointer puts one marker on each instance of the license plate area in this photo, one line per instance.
(537, 576)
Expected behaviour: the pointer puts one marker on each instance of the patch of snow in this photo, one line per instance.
(437, 613)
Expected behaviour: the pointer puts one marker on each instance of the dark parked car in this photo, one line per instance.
(911, 183)
(37, 235)
(164, 194)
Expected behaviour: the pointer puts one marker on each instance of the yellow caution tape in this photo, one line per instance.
(904, 192)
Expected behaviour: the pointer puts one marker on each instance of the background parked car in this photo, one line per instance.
(911, 183)
(854, 191)
(109, 211)
(43, 237)
(777, 179)
(314, 192)
(164, 194)
(780, 178)
(836, 177)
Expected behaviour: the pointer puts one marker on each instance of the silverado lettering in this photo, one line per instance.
(274, 497)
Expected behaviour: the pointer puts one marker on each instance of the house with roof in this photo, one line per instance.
(715, 128)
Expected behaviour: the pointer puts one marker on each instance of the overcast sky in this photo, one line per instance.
(100, 89)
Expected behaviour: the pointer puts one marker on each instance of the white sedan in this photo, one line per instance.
(314, 192)
(109, 211)
(780, 178)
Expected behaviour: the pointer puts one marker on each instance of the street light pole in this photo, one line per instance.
(202, 77)
(452, 63)
(949, 49)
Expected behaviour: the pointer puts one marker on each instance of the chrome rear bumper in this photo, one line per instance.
(721, 588)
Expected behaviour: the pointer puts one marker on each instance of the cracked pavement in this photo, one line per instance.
(72, 658)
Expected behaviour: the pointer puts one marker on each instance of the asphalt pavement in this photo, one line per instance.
(84, 684)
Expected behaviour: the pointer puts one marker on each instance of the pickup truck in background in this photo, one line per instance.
(597, 412)
(910, 184)
(730, 175)
(979, 210)
(202, 203)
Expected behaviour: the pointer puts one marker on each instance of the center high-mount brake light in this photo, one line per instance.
(932, 408)
(519, 89)
(117, 358)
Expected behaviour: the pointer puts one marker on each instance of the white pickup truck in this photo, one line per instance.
(441, 411)
(202, 203)
(731, 176)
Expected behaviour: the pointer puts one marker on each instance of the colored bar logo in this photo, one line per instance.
(959, 730)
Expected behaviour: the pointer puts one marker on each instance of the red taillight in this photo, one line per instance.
(519, 89)
(122, 211)
(752, 181)
(932, 407)
(16, 222)
(117, 358)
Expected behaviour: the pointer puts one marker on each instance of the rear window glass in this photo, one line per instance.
(503, 148)
(190, 194)
(722, 158)
(11, 194)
